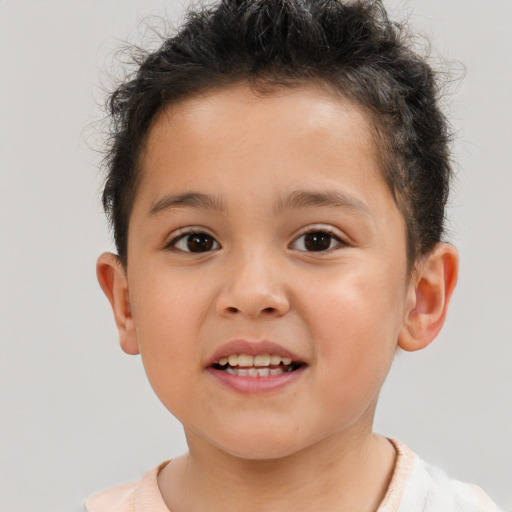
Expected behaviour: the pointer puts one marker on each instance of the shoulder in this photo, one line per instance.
(429, 489)
(132, 497)
(437, 491)
(117, 499)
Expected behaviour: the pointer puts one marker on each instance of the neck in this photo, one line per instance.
(336, 474)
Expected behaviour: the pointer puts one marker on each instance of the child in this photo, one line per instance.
(276, 184)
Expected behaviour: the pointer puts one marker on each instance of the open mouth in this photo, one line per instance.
(262, 365)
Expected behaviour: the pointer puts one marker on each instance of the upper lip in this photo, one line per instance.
(252, 348)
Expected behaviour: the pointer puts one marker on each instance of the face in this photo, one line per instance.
(263, 229)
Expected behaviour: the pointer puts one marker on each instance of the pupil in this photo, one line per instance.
(199, 242)
(317, 241)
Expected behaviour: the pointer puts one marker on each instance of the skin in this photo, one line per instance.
(343, 310)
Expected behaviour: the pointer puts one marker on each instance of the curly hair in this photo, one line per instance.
(351, 47)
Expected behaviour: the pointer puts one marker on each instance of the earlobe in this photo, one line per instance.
(430, 291)
(113, 281)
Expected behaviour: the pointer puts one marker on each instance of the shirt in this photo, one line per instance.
(415, 486)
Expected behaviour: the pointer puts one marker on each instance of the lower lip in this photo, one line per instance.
(256, 385)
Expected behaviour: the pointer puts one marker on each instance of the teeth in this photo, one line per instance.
(275, 360)
(245, 365)
(245, 360)
(262, 360)
(254, 372)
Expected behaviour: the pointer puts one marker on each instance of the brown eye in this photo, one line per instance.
(195, 242)
(316, 241)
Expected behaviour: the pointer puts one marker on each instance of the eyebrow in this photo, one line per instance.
(329, 198)
(187, 199)
(296, 200)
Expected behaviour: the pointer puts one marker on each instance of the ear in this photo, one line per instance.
(431, 288)
(114, 283)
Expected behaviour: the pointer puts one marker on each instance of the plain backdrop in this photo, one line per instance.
(77, 414)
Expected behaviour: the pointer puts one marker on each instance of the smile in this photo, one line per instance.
(255, 367)
(261, 365)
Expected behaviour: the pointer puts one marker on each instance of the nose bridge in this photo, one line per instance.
(254, 283)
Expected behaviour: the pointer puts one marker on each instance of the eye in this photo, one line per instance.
(194, 242)
(317, 241)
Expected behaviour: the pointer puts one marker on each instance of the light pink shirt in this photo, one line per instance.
(415, 487)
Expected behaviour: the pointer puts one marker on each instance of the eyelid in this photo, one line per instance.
(322, 228)
(185, 231)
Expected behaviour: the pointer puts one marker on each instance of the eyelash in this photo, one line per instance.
(214, 244)
(322, 231)
(172, 245)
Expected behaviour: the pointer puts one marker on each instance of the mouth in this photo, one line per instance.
(254, 366)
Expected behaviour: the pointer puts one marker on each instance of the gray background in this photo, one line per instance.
(77, 415)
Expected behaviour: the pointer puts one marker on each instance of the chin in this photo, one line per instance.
(257, 452)
(260, 444)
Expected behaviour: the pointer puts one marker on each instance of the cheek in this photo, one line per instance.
(167, 303)
(167, 313)
(354, 320)
(351, 302)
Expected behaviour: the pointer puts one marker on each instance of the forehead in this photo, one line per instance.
(316, 104)
(304, 127)
(253, 157)
(252, 152)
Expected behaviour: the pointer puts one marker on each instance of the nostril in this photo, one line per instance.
(267, 311)
(251, 304)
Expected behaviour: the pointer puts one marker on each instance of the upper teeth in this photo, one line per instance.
(259, 360)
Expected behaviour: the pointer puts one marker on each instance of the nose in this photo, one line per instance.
(254, 287)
